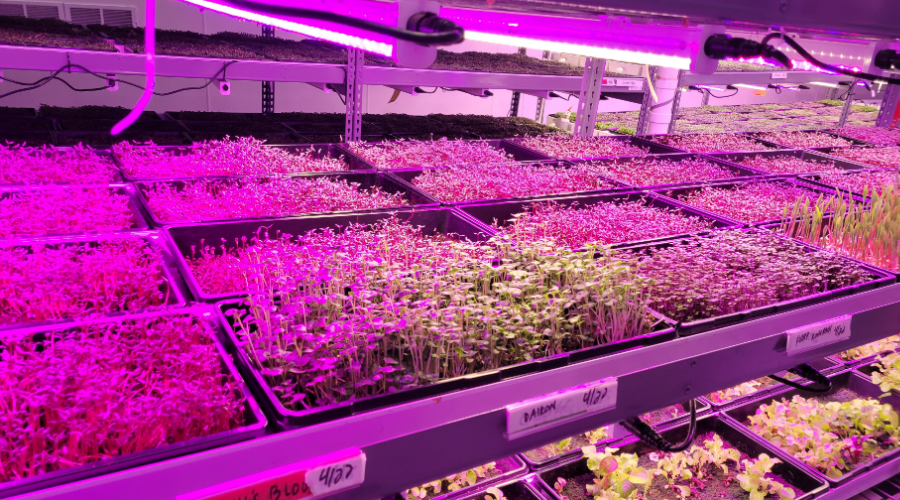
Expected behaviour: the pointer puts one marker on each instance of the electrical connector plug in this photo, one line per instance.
(725, 46)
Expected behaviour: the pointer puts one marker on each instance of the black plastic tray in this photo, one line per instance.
(816, 180)
(741, 172)
(138, 222)
(518, 153)
(879, 279)
(797, 476)
(678, 192)
(502, 211)
(824, 365)
(366, 180)
(652, 147)
(319, 151)
(469, 492)
(407, 175)
(255, 420)
(287, 419)
(853, 382)
(104, 139)
(856, 142)
(803, 154)
(771, 145)
(30, 139)
(512, 490)
(151, 238)
(185, 236)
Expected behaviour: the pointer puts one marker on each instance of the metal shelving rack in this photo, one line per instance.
(410, 444)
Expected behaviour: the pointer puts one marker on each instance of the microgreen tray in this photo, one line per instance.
(138, 222)
(319, 151)
(503, 211)
(845, 386)
(510, 467)
(366, 180)
(169, 287)
(254, 419)
(512, 490)
(816, 179)
(823, 365)
(653, 148)
(30, 139)
(407, 175)
(518, 153)
(868, 367)
(878, 278)
(856, 142)
(184, 237)
(102, 139)
(679, 193)
(803, 154)
(805, 484)
(740, 172)
(769, 145)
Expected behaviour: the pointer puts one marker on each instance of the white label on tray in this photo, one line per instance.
(635, 84)
(307, 479)
(781, 75)
(818, 334)
(542, 412)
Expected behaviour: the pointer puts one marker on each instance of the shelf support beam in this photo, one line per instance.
(354, 95)
(644, 116)
(848, 104)
(591, 85)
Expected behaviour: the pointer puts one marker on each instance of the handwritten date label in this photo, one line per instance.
(818, 334)
(308, 479)
(779, 75)
(535, 414)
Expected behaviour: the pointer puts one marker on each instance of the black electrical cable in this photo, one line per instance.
(721, 96)
(809, 57)
(54, 76)
(809, 373)
(846, 95)
(429, 29)
(647, 434)
(420, 90)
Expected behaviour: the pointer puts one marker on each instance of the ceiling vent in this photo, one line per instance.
(31, 10)
(90, 14)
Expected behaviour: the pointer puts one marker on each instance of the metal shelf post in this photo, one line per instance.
(354, 96)
(591, 85)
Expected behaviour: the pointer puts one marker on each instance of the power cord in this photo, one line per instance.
(648, 435)
(54, 76)
(425, 27)
(809, 373)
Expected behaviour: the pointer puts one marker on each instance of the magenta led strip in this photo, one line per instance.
(149, 67)
(358, 42)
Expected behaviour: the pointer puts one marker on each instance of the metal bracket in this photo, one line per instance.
(353, 125)
(409, 89)
(676, 102)
(848, 104)
(888, 110)
(644, 116)
(705, 100)
(325, 87)
(591, 85)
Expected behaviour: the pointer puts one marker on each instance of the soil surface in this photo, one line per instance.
(663, 414)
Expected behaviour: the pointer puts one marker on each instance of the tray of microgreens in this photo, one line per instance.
(211, 256)
(661, 171)
(755, 388)
(757, 202)
(202, 199)
(712, 143)
(23, 165)
(54, 210)
(412, 313)
(239, 156)
(806, 139)
(463, 483)
(871, 135)
(724, 462)
(477, 182)
(725, 277)
(607, 219)
(589, 148)
(516, 489)
(862, 183)
(788, 162)
(837, 435)
(85, 398)
(867, 352)
(46, 280)
(875, 156)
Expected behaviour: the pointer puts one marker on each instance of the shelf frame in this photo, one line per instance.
(439, 436)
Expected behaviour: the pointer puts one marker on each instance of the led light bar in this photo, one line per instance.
(357, 42)
(632, 56)
(746, 86)
(824, 84)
